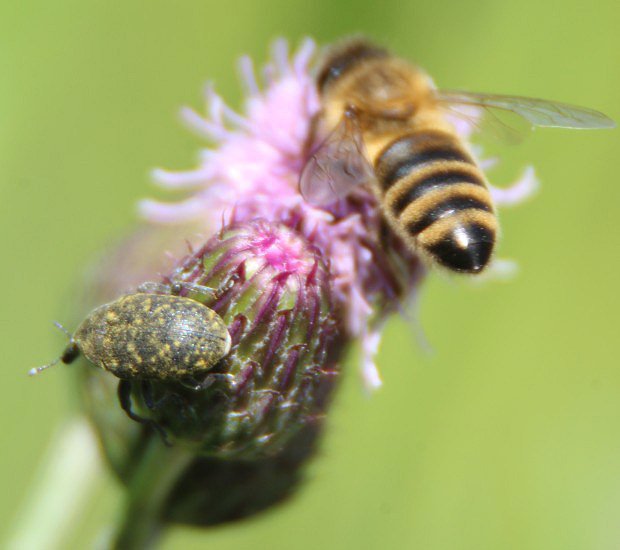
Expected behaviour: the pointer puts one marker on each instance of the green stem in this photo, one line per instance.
(65, 481)
(140, 524)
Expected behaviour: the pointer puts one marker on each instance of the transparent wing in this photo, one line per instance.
(538, 112)
(503, 126)
(337, 167)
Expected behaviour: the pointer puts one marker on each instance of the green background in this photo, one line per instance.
(507, 434)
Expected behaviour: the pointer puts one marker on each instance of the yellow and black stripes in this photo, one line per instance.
(428, 179)
(437, 196)
(441, 202)
(411, 151)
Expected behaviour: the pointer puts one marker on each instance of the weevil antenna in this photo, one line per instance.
(69, 355)
(37, 370)
(63, 329)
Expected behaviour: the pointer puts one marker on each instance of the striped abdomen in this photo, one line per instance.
(435, 196)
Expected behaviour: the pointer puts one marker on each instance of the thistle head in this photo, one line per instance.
(293, 283)
(272, 290)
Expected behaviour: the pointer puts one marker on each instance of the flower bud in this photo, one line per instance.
(257, 420)
(273, 292)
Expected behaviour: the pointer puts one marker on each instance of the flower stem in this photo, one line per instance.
(140, 524)
(66, 478)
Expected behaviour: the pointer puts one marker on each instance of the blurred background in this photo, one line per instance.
(506, 435)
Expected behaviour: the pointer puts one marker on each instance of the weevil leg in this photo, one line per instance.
(175, 288)
(208, 381)
(155, 404)
(147, 394)
(154, 288)
(178, 287)
(124, 398)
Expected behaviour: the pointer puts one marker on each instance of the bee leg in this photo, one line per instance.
(124, 398)
(384, 234)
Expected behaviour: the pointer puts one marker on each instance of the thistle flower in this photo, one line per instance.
(252, 172)
(273, 292)
(295, 284)
(249, 432)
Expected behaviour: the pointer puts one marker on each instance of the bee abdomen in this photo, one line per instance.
(411, 152)
(438, 197)
(443, 201)
(463, 242)
(435, 177)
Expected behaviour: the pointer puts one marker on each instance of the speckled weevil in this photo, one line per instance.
(148, 336)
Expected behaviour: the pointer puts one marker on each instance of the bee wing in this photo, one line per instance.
(538, 112)
(509, 129)
(337, 167)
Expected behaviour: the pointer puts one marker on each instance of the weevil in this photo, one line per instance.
(144, 336)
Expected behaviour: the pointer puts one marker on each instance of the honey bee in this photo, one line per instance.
(387, 126)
